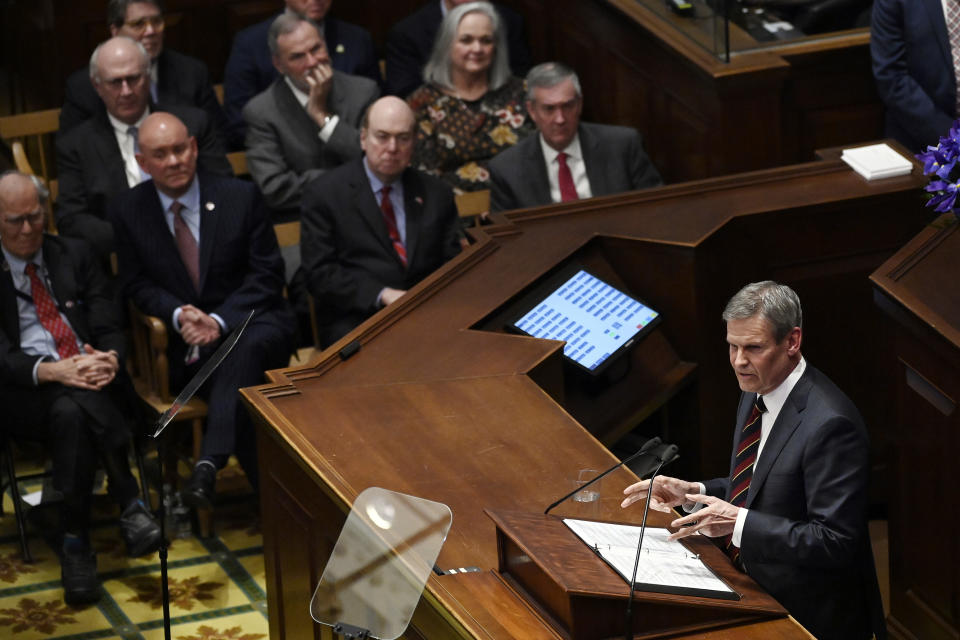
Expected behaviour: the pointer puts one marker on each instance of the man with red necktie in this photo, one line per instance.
(61, 349)
(374, 227)
(569, 159)
(792, 512)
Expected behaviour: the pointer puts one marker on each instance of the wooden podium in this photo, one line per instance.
(918, 291)
(586, 600)
(441, 403)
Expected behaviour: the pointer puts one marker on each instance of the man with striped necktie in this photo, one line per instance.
(792, 512)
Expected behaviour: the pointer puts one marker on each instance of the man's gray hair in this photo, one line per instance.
(95, 70)
(550, 74)
(286, 23)
(437, 69)
(43, 194)
(775, 302)
(117, 10)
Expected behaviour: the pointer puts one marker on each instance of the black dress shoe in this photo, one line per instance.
(198, 491)
(140, 530)
(78, 574)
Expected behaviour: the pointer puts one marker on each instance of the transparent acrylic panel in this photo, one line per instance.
(381, 561)
(729, 27)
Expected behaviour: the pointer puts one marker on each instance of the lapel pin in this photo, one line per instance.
(68, 304)
(418, 200)
(340, 48)
(210, 206)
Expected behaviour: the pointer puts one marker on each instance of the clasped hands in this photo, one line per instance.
(715, 519)
(91, 369)
(197, 327)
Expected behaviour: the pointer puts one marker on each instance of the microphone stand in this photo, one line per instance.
(166, 418)
(668, 456)
(648, 445)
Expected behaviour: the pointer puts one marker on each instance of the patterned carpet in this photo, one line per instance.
(217, 588)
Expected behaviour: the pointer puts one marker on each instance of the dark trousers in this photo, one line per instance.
(79, 429)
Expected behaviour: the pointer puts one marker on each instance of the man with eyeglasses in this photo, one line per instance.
(96, 160)
(175, 78)
(62, 378)
(375, 227)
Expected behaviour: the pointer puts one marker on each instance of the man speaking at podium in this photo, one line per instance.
(792, 512)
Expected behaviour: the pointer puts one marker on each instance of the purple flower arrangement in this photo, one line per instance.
(940, 162)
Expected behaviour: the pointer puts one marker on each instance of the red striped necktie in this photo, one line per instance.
(49, 316)
(743, 471)
(390, 217)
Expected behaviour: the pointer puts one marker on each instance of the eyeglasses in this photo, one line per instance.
(32, 218)
(140, 25)
(133, 81)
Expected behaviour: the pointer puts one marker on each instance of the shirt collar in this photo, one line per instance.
(775, 400)
(122, 127)
(572, 150)
(376, 184)
(190, 199)
(19, 265)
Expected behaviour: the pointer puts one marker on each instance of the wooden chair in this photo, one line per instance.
(35, 131)
(238, 161)
(473, 205)
(288, 235)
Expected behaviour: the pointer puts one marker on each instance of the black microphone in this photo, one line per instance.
(650, 444)
(669, 455)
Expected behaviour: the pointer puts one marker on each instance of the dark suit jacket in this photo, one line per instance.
(805, 538)
(614, 158)
(347, 254)
(913, 68)
(91, 172)
(250, 67)
(240, 265)
(85, 296)
(410, 42)
(181, 79)
(284, 149)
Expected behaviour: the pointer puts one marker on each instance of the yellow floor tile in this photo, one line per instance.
(245, 626)
(43, 615)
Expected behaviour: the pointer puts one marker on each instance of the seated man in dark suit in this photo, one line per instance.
(174, 77)
(250, 68)
(410, 42)
(374, 227)
(96, 160)
(306, 122)
(62, 377)
(792, 514)
(570, 159)
(914, 70)
(196, 250)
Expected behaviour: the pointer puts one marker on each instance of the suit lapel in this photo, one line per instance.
(593, 158)
(934, 11)
(295, 114)
(413, 203)
(105, 144)
(209, 228)
(540, 183)
(166, 80)
(8, 298)
(787, 422)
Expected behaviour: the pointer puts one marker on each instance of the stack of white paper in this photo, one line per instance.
(877, 161)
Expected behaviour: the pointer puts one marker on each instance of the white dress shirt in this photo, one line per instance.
(125, 142)
(578, 169)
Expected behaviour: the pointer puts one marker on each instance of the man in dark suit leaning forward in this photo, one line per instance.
(570, 159)
(196, 250)
(61, 376)
(373, 228)
(792, 512)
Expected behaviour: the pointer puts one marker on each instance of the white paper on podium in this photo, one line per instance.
(663, 563)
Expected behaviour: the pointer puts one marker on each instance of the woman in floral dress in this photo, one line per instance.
(470, 108)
